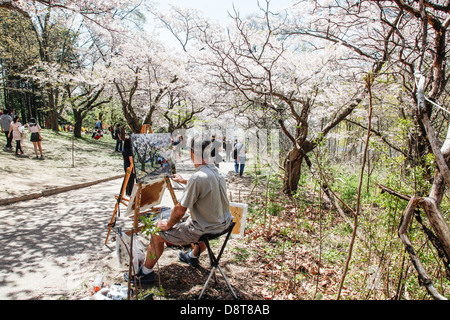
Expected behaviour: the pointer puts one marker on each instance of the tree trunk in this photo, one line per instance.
(78, 123)
(52, 112)
(130, 116)
(132, 120)
(292, 171)
(53, 119)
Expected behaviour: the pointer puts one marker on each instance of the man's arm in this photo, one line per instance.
(176, 215)
(179, 179)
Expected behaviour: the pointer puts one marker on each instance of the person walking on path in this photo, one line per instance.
(215, 149)
(239, 157)
(119, 138)
(227, 147)
(35, 130)
(127, 154)
(5, 122)
(15, 133)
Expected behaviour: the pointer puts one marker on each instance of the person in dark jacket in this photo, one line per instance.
(119, 138)
(127, 155)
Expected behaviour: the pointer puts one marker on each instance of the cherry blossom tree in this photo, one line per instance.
(296, 86)
(57, 26)
(156, 86)
(101, 12)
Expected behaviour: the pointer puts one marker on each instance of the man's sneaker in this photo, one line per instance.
(184, 257)
(141, 277)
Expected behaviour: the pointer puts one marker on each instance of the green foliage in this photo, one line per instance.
(149, 226)
(241, 254)
(347, 186)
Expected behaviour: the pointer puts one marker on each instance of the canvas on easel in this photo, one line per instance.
(153, 159)
(152, 156)
(151, 195)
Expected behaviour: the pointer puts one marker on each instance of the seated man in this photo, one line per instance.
(206, 197)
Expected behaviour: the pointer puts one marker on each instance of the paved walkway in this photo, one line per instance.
(48, 244)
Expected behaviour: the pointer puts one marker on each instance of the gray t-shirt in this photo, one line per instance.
(206, 198)
(241, 149)
(5, 121)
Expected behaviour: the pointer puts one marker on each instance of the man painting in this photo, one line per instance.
(206, 197)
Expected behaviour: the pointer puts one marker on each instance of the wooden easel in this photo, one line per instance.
(120, 199)
(136, 228)
(146, 128)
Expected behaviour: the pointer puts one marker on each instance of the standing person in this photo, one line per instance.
(206, 197)
(224, 146)
(215, 148)
(176, 146)
(5, 122)
(228, 150)
(35, 130)
(236, 164)
(16, 134)
(119, 139)
(127, 155)
(239, 157)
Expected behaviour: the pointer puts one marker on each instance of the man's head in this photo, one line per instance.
(200, 151)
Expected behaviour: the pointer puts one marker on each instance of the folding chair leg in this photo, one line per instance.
(207, 281)
(215, 264)
(228, 284)
(224, 277)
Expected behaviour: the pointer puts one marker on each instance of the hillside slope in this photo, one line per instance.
(92, 160)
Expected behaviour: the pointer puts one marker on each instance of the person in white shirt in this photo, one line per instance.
(14, 133)
(35, 130)
(240, 156)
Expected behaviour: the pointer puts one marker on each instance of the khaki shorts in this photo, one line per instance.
(183, 233)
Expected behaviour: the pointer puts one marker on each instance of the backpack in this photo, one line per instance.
(235, 152)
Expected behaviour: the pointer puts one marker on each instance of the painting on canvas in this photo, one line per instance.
(152, 156)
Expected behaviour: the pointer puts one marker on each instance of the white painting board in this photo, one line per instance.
(239, 213)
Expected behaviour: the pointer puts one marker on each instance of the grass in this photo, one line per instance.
(90, 160)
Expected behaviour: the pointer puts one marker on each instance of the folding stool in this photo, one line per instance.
(215, 260)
